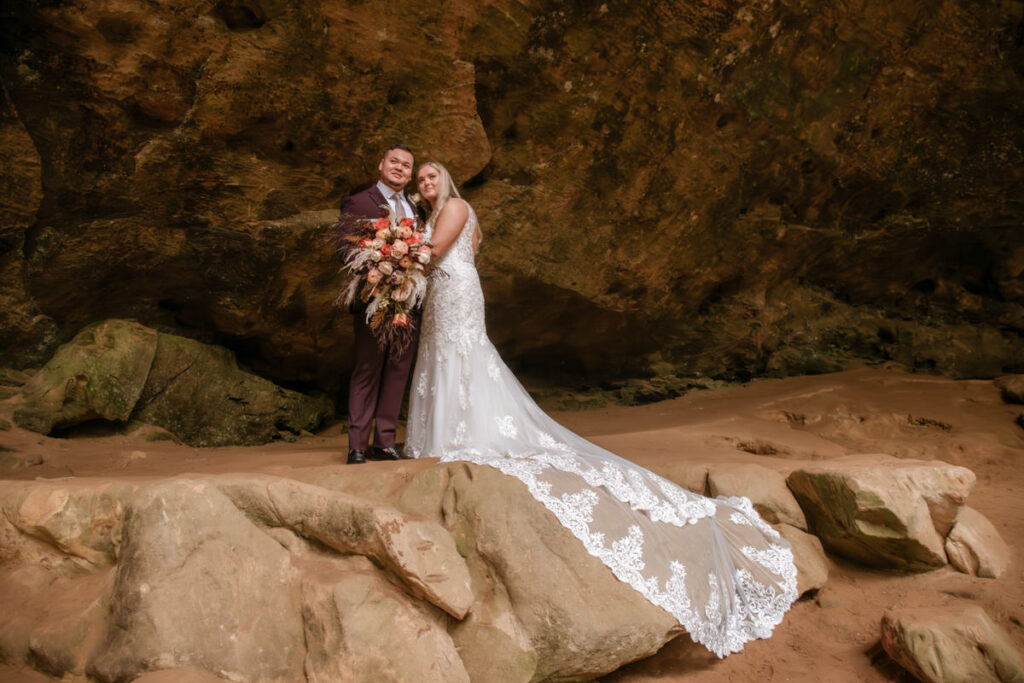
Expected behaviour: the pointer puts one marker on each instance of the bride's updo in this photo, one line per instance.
(445, 191)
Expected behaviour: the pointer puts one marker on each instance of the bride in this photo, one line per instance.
(721, 571)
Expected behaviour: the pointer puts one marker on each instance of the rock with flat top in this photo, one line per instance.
(882, 511)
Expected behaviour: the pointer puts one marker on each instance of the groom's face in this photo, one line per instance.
(396, 168)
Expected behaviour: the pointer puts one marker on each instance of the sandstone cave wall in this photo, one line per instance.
(705, 187)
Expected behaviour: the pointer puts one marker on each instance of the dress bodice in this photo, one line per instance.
(461, 250)
(454, 309)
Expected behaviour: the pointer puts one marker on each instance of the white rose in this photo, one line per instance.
(375, 256)
(385, 268)
(377, 243)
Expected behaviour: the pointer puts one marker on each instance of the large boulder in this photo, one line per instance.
(417, 552)
(359, 627)
(266, 579)
(198, 393)
(545, 608)
(198, 585)
(949, 645)
(882, 511)
(84, 521)
(119, 370)
(99, 374)
(975, 547)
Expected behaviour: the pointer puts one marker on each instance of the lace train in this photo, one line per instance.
(721, 571)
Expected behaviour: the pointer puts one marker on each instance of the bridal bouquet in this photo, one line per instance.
(387, 260)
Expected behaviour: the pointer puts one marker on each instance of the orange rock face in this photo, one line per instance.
(725, 188)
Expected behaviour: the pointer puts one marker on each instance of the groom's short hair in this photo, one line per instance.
(398, 146)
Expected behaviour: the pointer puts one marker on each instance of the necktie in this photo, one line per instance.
(399, 206)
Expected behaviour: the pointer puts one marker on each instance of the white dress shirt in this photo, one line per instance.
(391, 196)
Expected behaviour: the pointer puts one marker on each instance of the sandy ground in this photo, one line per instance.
(831, 636)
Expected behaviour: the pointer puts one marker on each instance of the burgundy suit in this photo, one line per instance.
(380, 375)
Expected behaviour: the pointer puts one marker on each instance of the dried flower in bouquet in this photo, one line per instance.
(387, 260)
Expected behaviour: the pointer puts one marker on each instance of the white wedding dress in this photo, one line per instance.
(721, 571)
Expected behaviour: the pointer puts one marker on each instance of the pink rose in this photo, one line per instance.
(415, 238)
(400, 248)
(385, 251)
(404, 232)
(373, 276)
(400, 320)
(382, 234)
(406, 262)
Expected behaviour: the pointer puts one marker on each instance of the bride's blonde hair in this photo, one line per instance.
(445, 191)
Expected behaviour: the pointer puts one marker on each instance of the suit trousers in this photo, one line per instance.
(376, 388)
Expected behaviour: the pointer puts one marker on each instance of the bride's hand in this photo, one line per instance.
(449, 224)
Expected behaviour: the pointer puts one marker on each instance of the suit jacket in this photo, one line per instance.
(370, 203)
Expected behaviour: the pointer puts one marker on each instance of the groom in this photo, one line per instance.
(380, 375)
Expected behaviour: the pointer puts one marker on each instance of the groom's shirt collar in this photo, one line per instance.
(389, 195)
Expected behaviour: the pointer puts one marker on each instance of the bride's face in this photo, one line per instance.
(428, 182)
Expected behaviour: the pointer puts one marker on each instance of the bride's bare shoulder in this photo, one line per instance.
(457, 207)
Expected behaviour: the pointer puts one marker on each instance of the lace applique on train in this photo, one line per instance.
(653, 535)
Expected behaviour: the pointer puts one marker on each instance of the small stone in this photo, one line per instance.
(827, 602)
(975, 547)
(689, 476)
(1011, 387)
(178, 676)
(9, 461)
(944, 645)
(810, 558)
(765, 488)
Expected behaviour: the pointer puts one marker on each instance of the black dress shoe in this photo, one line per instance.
(356, 457)
(389, 453)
